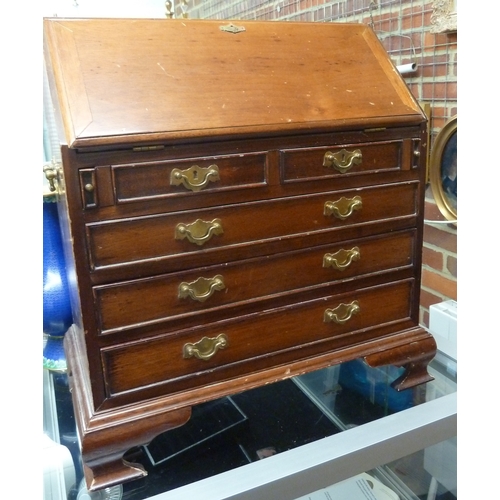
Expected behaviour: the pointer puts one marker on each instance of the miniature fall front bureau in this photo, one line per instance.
(240, 203)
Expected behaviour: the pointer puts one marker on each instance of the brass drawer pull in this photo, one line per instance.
(195, 177)
(342, 313)
(205, 348)
(198, 232)
(342, 259)
(344, 207)
(342, 160)
(202, 288)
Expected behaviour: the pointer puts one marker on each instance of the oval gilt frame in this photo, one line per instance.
(443, 169)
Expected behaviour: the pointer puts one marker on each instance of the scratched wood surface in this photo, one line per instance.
(150, 80)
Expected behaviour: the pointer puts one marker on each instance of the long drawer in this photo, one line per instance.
(198, 292)
(245, 229)
(234, 346)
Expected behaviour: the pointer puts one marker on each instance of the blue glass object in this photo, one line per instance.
(374, 383)
(54, 358)
(57, 316)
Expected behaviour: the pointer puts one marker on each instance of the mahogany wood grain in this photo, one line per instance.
(169, 199)
(142, 181)
(324, 72)
(250, 226)
(306, 164)
(105, 438)
(136, 99)
(160, 361)
(156, 299)
(404, 348)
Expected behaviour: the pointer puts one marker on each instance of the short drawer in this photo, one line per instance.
(208, 353)
(203, 291)
(193, 236)
(341, 160)
(144, 181)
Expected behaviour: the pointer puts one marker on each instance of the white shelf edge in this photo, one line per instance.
(327, 461)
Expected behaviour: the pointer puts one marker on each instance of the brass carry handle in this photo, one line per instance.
(198, 232)
(342, 259)
(342, 313)
(202, 288)
(194, 178)
(51, 171)
(205, 348)
(344, 207)
(342, 160)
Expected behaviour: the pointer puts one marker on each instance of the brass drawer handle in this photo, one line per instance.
(344, 207)
(205, 348)
(202, 288)
(342, 313)
(342, 259)
(195, 177)
(342, 160)
(198, 232)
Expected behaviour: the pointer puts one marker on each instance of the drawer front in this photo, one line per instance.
(244, 229)
(163, 179)
(106, 185)
(202, 291)
(199, 356)
(348, 159)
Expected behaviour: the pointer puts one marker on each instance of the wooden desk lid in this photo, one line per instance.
(140, 81)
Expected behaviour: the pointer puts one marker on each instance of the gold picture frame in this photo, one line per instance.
(443, 169)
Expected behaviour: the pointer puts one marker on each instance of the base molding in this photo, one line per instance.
(106, 435)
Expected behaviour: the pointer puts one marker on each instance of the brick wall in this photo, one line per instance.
(404, 27)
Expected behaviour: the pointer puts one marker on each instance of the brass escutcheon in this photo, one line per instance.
(342, 160)
(205, 348)
(202, 288)
(344, 207)
(198, 232)
(342, 259)
(194, 178)
(232, 28)
(342, 313)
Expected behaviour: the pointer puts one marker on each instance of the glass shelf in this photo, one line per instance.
(291, 438)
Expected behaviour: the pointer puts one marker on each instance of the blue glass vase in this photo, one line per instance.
(57, 316)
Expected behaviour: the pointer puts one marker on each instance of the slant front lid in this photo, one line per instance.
(150, 81)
